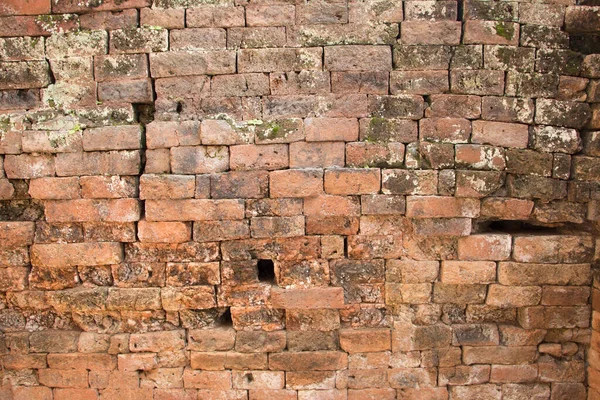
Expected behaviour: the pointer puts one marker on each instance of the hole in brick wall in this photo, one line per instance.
(511, 226)
(144, 112)
(225, 318)
(266, 271)
(179, 107)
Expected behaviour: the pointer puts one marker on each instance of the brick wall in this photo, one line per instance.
(289, 199)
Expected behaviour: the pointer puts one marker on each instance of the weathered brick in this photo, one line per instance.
(192, 39)
(419, 82)
(358, 58)
(548, 317)
(194, 210)
(296, 183)
(491, 32)
(184, 63)
(441, 207)
(209, 15)
(273, 60)
(118, 210)
(478, 82)
(430, 32)
(76, 254)
(453, 105)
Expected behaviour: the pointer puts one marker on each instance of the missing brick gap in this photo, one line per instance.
(266, 271)
(225, 318)
(514, 226)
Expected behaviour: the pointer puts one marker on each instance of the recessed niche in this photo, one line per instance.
(266, 271)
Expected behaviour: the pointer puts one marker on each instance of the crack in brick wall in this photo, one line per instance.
(252, 199)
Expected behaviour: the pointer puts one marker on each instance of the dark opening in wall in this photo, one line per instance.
(266, 271)
(511, 226)
(225, 318)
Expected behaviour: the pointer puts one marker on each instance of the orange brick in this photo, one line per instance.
(80, 394)
(485, 247)
(16, 234)
(352, 181)
(500, 134)
(31, 393)
(331, 129)
(296, 183)
(506, 208)
(513, 373)
(63, 378)
(317, 154)
(194, 210)
(468, 272)
(365, 340)
(265, 157)
(137, 362)
(258, 380)
(74, 254)
(108, 187)
(100, 362)
(308, 361)
(308, 298)
(441, 207)
(119, 210)
(164, 232)
(55, 188)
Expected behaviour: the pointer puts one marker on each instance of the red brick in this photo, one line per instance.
(352, 181)
(491, 32)
(82, 394)
(549, 317)
(122, 393)
(166, 18)
(500, 134)
(441, 207)
(134, 91)
(316, 155)
(16, 234)
(262, 227)
(63, 378)
(98, 163)
(184, 63)
(102, 362)
(189, 297)
(331, 206)
(194, 210)
(358, 58)
(454, 106)
(506, 208)
(27, 166)
(447, 130)
(109, 20)
(32, 26)
(296, 183)
(270, 15)
(430, 32)
(500, 355)
(108, 187)
(308, 361)
(513, 373)
(120, 210)
(485, 247)
(332, 225)
(167, 186)
(365, 154)
(26, 7)
(73, 254)
(250, 157)
(511, 273)
(308, 298)
(480, 157)
(400, 181)
(553, 249)
(331, 129)
(207, 16)
(468, 272)
(513, 296)
(31, 393)
(137, 362)
(164, 232)
(365, 340)
(565, 295)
